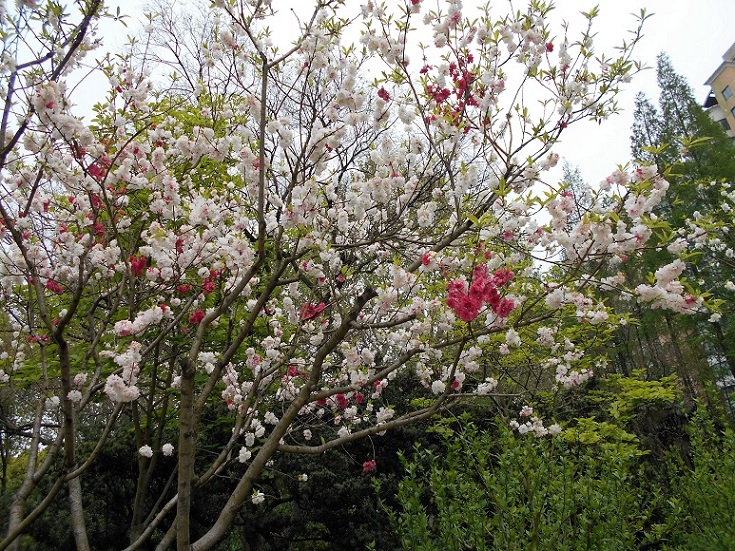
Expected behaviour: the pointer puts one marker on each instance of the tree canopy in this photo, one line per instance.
(255, 250)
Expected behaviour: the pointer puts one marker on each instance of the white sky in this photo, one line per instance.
(695, 34)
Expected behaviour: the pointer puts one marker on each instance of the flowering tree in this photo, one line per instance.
(278, 238)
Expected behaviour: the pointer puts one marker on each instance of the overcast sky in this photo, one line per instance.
(695, 34)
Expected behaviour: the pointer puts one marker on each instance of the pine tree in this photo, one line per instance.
(678, 122)
(575, 184)
(646, 130)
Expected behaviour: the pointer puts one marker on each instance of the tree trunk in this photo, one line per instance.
(726, 351)
(682, 368)
(187, 443)
(76, 509)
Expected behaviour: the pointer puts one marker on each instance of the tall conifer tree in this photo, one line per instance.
(696, 155)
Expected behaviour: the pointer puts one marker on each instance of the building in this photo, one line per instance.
(720, 103)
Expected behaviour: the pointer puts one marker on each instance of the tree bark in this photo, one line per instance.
(726, 351)
(187, 446)
(76, 508)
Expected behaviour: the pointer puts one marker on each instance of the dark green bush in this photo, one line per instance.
(702, 504)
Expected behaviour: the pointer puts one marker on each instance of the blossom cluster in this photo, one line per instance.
(483, 289)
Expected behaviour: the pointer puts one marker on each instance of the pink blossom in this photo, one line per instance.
(369, 466)
(479, 272)
(124, 328)
(504, 308)
(465, 306)
(502, 276)
(208, 286)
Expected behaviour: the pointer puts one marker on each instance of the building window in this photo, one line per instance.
(732, 112)
(725, 124)
(727, 93)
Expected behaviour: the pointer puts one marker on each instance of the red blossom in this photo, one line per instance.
(197, 317)
(183, 289)
(341, 400)
(492, 296)
(96, 172)
(310, 311)
(439, 95)
(466, 306)
(549, 47)
(383, 94)
(369, 466)
(138, 265)
(54, 286)
(208, 286)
